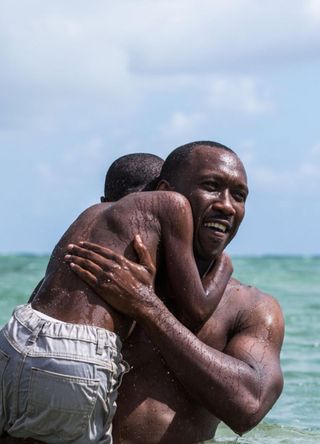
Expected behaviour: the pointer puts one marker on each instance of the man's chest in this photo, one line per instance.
(216, 331)
(140, 351)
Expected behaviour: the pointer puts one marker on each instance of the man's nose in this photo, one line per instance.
(224, 203)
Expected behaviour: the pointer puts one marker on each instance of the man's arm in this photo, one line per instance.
(239, 385)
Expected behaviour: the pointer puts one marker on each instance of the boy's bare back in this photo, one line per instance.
(65, 297)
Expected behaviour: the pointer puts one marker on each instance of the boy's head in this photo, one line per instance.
(131, 173)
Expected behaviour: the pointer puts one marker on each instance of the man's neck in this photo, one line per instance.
(204, 266)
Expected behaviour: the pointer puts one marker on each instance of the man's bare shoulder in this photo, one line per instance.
(247, 297)
(255, 312)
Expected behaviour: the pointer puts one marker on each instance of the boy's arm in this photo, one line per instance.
(216, 279)
(195, 300)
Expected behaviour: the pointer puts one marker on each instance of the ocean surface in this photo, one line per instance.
(295, 282)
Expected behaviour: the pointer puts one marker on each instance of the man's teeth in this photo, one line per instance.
(216, 225)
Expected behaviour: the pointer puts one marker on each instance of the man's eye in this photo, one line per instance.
(211, 186)
(240, 197)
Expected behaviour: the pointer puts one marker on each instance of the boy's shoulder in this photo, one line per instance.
(155, 200)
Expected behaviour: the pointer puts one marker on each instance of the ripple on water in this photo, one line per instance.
(268, 433)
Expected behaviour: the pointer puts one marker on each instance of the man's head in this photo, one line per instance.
(131, 173)
(213, 179)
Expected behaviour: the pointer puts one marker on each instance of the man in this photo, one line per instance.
(182, 384)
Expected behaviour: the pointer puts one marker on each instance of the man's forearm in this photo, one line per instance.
(238, 386)
(227, 387)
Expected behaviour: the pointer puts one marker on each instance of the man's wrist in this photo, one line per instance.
(151, 309)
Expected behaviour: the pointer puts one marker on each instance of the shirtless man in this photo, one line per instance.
(64, 350)
(181, 384)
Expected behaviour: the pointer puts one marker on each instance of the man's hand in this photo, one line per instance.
(127, 286)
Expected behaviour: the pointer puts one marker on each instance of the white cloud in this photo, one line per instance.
(315, 152)
(240, 94)
(79, 163)
(46, 173)
(206, 36)
(312, 10)
(310, 167)
(106, 55)
(301, 178)
(182, 126)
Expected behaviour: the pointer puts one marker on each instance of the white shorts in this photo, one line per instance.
(58, 380)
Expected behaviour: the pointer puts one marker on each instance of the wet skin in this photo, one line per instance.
(182, 384)
(164, 221)
(215, 183)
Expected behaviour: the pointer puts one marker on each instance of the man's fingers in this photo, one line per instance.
(102, 251)
(85, 248)
(85, 275)
(103, 261)
(145, 258)
(102, 275)
(86, 264)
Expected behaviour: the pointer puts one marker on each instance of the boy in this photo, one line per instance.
(60, 358)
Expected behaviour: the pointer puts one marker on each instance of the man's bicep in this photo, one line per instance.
(267, 383)
(260, 326)
(258, 344)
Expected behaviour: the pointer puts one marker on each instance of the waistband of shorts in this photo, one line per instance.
(27, 317)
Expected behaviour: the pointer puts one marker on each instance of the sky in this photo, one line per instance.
(82, 83)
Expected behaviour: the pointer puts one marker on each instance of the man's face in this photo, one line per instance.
(215, 183)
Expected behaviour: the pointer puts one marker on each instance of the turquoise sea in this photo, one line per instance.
(295, 282)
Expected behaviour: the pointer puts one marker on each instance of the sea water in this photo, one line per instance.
(295, 282)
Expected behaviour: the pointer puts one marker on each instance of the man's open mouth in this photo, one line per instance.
(217, 226)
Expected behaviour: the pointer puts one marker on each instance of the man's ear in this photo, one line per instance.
(163, 185)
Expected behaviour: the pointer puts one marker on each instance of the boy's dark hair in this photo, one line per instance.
(131, 173)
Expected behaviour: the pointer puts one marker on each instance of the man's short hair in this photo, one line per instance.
(131, 173)
(179, 158)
